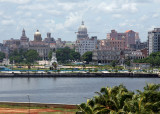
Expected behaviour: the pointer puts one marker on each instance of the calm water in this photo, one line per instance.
(62, 90)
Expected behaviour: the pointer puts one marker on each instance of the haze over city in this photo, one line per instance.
(63, 17)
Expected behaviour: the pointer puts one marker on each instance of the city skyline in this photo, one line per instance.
(62, 18)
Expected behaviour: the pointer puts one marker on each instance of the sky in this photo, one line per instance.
(63, 17)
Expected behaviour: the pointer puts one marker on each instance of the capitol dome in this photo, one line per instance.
(37, 33)
(82, 28)
(37, 36)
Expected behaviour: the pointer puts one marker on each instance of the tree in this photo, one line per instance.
(119, 100)
(50, 54)
(127, 62)
(2, 56)
(153, 59)
(54, 64)
(17, 56)
(114, 63)
(31, 56)
(87, 56)
(65, 55)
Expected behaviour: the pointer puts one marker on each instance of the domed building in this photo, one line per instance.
(83, 42)
(37, 36)
(41, 47)
(82, 31)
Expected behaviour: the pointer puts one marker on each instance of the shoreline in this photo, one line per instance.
(36, 104)
(81, 75)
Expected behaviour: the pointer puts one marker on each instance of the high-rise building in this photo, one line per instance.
(154, 40)
(130, 36)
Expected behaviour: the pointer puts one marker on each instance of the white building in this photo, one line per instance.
(83, 42)
(154, 40)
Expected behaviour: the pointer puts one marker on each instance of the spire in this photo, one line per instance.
(23, 32)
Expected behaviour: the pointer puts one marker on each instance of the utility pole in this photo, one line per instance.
(29, 104)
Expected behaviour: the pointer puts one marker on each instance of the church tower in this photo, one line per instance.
(24, 37)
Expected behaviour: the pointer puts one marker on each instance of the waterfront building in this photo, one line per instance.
(83, 42)
(138, 54)
(154, 40)
(107, 56)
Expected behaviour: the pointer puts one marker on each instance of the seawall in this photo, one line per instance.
(81, 75)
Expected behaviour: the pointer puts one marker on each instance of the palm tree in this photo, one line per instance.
(54, 64)
(119, 100)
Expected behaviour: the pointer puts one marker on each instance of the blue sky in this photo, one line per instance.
(63, 17)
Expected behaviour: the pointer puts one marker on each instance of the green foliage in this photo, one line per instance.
(119, 100)
(87, 56)
(27, 56)
(16, 56)
(153, 59)
(129, 70)
(31, 56)
(54, 64)
(50, 55)
(2, 56)
(95, 70)
(114, 63)
(127, 62)
(64, 55)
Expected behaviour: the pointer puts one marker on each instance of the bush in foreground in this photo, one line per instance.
(119, 100)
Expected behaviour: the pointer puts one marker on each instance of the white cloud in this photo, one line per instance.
(117, 7)
(54, 12)
(16, 1)
(1, 13)
(131, 7)
(151, 27)
(67, 6)
(117, 15)
(98, 19)
(72, 18)
(28, 14)
(122, 24)
(155, 15)
(144, 17)
(7, 22)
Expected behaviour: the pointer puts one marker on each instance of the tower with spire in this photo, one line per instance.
(24, 37)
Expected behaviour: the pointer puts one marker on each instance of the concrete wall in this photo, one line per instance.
(81, 75)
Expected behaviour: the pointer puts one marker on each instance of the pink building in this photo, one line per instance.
(113, 44)
(129, 36)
